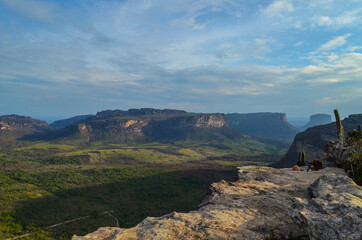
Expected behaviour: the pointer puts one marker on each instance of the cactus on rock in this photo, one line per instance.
(301, 159)
(340, 130)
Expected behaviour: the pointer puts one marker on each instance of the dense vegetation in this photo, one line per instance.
(46, 183)
(33, 201)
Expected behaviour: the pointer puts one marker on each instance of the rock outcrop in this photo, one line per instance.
(270, 125)
(317, 119)
(253, 207)
(334, 212)
(313, 140)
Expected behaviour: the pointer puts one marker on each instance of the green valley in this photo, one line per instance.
(112, 168)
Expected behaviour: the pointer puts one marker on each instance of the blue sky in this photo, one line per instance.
(64, 58)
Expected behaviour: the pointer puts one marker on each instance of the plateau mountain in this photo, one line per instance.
(270, 125)
(317, 119)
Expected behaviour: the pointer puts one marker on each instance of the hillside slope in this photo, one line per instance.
(66, 122)
(313, 140)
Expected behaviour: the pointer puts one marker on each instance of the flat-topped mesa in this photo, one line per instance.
(11, 122)
(260, 202)
(13, 127)
(271, 125)
(148, 125)
(317, 119)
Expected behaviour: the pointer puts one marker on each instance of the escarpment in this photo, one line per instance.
(147, 125)
(261, 201)
(313, 140)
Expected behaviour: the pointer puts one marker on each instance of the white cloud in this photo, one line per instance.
(278, 8)
(188, 22)
(322, 21)
(334, 43)
(347, 18)
(300, 43)
(328, 100)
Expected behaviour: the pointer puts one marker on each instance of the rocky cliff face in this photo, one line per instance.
(271, 125)
(333, 211)
(317, 119)
(13, 122)
(313, 141)
(145, 125)
(15, 126)
(262, 201)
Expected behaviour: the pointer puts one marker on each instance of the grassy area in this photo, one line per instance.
(45, 155)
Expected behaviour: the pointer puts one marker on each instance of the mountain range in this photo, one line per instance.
(148, 125)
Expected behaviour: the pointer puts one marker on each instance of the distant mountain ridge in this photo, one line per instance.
(314, 139)
(270, 125)
(66, 122)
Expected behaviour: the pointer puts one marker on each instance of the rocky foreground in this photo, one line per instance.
(325, 204)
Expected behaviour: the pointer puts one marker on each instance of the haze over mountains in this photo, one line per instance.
(317, 119)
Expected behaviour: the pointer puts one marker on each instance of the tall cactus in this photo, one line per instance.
(340, 130)
(301, 159)
(359, 128)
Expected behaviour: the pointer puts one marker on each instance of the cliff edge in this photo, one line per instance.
(261, 201)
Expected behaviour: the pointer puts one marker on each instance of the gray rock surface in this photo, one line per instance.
(334, 212)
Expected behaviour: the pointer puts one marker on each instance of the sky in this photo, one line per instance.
(64, 58)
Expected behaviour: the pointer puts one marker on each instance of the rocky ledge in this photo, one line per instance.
(324, 204)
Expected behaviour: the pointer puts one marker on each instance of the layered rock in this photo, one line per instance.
(270, 125)
(313, 140)
(250, 208)
(317, 119)
(14, 122)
